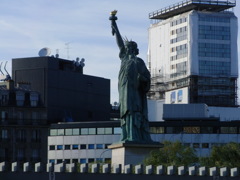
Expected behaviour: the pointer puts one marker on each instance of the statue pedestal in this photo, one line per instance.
(130, 153)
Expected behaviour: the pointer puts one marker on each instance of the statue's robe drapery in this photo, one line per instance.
(133, 83)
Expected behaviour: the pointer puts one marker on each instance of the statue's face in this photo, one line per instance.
(132, 48)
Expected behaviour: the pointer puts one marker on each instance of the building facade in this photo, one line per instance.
(192, 53)
(23, 124)
(88, 142)
(67, 93)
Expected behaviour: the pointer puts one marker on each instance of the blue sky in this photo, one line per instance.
(27, 26)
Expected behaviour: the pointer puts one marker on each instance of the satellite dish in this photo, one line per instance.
(44, 52)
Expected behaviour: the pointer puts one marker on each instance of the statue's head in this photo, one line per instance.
(131, 47)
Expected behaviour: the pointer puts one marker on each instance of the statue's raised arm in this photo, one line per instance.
(115, 30)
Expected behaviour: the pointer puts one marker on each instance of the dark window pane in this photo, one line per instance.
(74, 146)
(52, 147)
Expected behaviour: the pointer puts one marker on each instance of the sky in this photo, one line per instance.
(77, 28)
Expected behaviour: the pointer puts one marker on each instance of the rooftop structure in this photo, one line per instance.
(188, 5)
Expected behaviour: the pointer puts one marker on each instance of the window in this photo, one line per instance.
(91, 146)
(157, 130)
(59, 161)
(68, 132)
(108, 160)
(117, 130)
(4, 134)
(191, 130)
(174, 130)
(20, 154)
(51, 147)
(51, 161)
(84, 131)
(83, 146)
(75, 131)
(91, 160)
(92, 131)
(100, 130)
(36, 135)
(53, 132)
(82, 161)
(74, 146)
(74, 160)
(60, 132)
(108, 130)
(35, 153)
(67, 161)
(99, 146)
(196, 145)
(99, 160)
(21, 135)
(206, 130)
(229, 130)
(67, 147)
(59, 147)
(180, 95)
(173, 97)
(187, 144)
(205, 145)
(4, 115)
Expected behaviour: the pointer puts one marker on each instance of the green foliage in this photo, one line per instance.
(173, 153)
(223, 156)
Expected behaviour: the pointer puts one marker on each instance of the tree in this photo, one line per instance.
(173, 153)
(223, 156)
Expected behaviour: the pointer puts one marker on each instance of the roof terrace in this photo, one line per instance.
(188, 5)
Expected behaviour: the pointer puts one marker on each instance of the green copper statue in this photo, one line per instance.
(133, 84)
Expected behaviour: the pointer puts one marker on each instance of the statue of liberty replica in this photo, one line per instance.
(133, 84)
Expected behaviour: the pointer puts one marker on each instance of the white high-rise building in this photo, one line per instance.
(193, 53)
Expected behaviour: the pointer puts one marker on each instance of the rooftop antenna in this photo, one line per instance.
(67, 47)
(6, 69)
(8, 77)
(1, 68)
(44, 52)
(57, 53)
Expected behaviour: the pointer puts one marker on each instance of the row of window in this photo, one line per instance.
(182, 54)
(21, 134)
(214, 50)
(224, 47)
(81, 160)
(179, 38)
(214, 19)
(214, 36)
(180, 66)
(214, 92)
(173, 99)
(179, 48)
(214, 68)
(221, 30)
(179, 30)
(214, 32)
(216, 81)
(85, 131)
(195, 130)
(178, 21)
(78, 146)
(178, 74)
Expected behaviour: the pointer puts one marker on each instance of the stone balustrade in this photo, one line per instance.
(118, 169)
